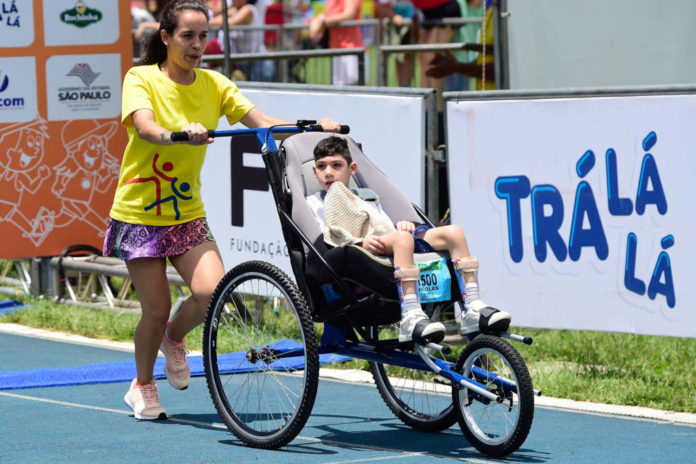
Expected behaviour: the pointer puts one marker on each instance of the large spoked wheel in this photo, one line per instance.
(260, 355)
(495, 429)
(419, 398)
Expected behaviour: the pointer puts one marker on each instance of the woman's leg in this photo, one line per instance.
(201, 268)
(149, 278)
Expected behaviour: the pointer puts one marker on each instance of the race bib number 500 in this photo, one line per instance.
(435, 281)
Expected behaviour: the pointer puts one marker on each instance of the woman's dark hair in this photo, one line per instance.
(155, 50)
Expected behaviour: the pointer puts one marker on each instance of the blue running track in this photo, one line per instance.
(90, 423)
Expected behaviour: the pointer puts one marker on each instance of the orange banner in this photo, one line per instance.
(62, 63)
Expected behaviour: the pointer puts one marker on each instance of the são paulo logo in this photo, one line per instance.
(81, 15)
(88, 92)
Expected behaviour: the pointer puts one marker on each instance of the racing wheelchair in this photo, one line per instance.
(266, 335)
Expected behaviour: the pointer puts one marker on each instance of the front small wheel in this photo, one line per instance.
(260, 355)
(495, 429)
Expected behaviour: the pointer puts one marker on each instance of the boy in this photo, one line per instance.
(336, 209)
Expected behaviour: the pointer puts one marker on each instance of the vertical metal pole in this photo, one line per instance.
(226, 38)
(497, 59)
(282, 65)
(432, 194)
(504, 49)
(361, 67)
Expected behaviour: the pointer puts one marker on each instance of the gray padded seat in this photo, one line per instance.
(299, 150)
(353, 263)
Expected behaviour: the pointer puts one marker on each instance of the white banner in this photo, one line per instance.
(396, 146)
(578, 209)
(564, 44)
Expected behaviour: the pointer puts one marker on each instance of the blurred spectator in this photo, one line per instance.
(398, 33)
(429, 33)
(345, 69)
(147, 22)
(241, 13)
(465, 34)
(481, 69)
(275, 15)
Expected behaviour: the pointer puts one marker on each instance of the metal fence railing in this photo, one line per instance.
(289, 48)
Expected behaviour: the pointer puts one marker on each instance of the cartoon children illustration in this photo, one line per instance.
(22, 174)
(87, 171)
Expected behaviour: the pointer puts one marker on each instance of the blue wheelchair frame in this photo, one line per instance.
(344, 328)
(334, 340)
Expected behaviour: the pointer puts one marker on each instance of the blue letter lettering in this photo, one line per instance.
(546, 227)
(631, 282)
(617, 206)
(594, 235)
(649, 174)
(512, 190)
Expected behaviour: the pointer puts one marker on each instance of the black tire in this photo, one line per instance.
(495, 429)
(418, 398)
(255, 314)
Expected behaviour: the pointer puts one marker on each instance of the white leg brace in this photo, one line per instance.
(468, 264)
(407, 273)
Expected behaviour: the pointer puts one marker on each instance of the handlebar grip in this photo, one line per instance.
(183, 136)
(317, 128)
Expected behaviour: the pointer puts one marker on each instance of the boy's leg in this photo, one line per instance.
(479, 317)
(415, 324)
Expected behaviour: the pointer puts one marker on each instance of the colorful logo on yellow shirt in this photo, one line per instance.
(177, 192)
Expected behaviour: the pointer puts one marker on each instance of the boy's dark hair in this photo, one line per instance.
(332, 146)
(155, 50)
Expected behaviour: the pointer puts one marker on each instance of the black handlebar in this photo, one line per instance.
(183, 136)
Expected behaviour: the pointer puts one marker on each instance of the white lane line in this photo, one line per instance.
(62, 403)
(356, 376)
(384, 458)
(328, 442)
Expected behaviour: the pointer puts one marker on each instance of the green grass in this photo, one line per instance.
(625, 369)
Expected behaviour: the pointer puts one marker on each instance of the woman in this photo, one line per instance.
(157, 211)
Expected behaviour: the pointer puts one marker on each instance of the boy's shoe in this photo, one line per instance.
(176, 366)
(144, 402)
(416, 325)
(480, 317)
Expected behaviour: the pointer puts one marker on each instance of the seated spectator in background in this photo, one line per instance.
(243, 13)
(482, 69)
(345, 68)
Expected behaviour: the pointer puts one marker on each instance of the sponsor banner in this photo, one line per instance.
(18, 100)
(239, 204)
(60, 136)
(578, 209)
(16, 23)
(84, 86)
(74, 22)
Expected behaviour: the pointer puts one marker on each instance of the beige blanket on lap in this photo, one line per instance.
(348, 219)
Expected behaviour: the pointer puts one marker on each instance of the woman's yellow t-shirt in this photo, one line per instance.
(160, 184)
